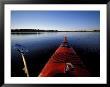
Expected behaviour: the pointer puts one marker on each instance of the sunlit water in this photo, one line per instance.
(41, 46)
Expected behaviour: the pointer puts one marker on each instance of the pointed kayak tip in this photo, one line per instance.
(65, 39)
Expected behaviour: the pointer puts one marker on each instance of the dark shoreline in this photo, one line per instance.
(34, 31)
(48, 32)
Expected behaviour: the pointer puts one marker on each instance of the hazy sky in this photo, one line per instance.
(57, 20)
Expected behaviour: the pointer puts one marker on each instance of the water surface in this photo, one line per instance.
(42, 45)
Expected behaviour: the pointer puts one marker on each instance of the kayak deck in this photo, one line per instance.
(64, 60)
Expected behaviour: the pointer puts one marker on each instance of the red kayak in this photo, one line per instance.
(64, 61)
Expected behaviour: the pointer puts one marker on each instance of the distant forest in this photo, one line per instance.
(32, 30)
(38, 30)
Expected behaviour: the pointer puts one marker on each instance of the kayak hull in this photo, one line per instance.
(64, 60)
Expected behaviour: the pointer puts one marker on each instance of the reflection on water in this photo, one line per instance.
(42, 45)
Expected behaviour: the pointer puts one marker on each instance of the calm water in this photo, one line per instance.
(41, 46)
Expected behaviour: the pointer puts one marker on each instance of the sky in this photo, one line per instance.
(55, 20)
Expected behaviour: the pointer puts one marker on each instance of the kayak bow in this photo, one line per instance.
(64, 60)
